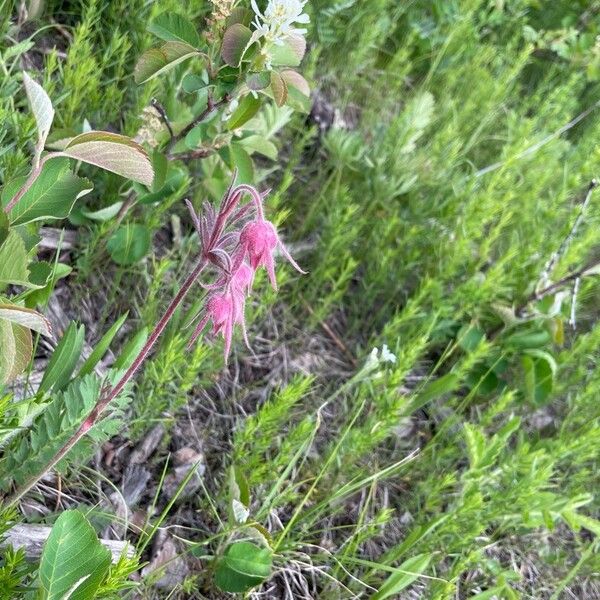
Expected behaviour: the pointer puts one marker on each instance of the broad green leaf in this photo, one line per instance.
(438, 387)
(101, 347)
(51, 196)
(192, 83)
(15, 350)
(290, 53)
(242, 15)
(235, 41)
(113, 152)
(129, 244)
(173, 27)
(243, 566)
(257, 143)
(243, 163)
(158, 60)
(238, 486)
(104, 214)
(407, 573)
(539, 368)
(160, 165)
(248, 107)
(13, 260)
(73, 562)
(279, 88)
(42, 295)
(41, 106)
(63, 360)
(26, 317)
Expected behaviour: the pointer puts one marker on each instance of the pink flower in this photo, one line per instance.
(259, 240)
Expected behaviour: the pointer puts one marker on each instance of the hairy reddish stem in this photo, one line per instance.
(106, 397)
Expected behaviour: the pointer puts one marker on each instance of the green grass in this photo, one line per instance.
(429, 221)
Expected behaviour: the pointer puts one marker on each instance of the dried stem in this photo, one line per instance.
(163, 115)
(107, 396)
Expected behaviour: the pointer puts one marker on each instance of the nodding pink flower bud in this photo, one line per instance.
(259, 240)
(241, 280)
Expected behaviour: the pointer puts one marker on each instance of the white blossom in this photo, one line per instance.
(386, 355)
(279, 20)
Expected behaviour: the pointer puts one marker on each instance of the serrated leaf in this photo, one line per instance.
(407, 573)
(243, 566)
(248, 107)
(158, 60)
(129, 244)
(173, 27)
(235, 41)
(41, 106)
(26, 317)
(51, 196)
(113, 152)
(279, 88)
(73, 561)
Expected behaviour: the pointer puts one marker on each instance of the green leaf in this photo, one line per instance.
(258, 143)
(129, 244)
(539, 368)
(407, 573)
(243, 566)
(242, 15)
(101, 347)
(173, 27)
(290, 53)
(243, 163)
(160, 165)
(16, 349)
(51, 196)
(26, 317)
(158, 60)
(130, 350)
(42, 295)
(41, 106)
(63, 360)
(279, 88)
(438, 387)
(258, 81)
(192, 83)
(104, 214)
(113, 152)
(248, 107)
(73, 562)
(235, 41)
(13, 260)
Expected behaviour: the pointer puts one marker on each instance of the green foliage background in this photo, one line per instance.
(450, 172)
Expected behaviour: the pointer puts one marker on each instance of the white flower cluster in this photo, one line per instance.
(375, 359)
(279, 20)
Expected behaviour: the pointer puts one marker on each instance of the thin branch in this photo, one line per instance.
(160, 109)
(210, 108)
(564, 245)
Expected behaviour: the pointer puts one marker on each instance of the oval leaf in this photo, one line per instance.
(172, 27)
(244, 112)
(129, 244)
(235, 41)
(51, 196)
(116, 153)
(279, 88)
(158, 60)
(294, 79)
(243, 566)
(74, 562)
(41, 106)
